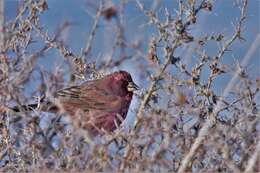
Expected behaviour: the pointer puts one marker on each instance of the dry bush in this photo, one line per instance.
(182, 122)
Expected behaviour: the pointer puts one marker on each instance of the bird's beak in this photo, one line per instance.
(132, 87)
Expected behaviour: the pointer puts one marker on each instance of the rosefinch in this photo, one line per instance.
(97, 104)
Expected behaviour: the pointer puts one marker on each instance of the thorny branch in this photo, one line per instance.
(169, 58)
(175, 114)
(209, 123)
(93, 30)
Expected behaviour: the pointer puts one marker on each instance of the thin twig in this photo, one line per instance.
(152, 86)
(2, 6)
(252, 161)
(87, 48)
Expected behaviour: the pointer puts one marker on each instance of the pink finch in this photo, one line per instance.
(96, 105)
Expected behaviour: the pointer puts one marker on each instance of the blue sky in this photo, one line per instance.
(77, 12)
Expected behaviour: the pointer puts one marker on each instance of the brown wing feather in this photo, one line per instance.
(90, 96)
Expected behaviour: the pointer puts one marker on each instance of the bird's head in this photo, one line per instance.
(122, 83)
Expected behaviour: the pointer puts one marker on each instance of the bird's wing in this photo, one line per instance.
(90, 96)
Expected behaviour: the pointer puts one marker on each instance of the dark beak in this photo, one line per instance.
(132, 87)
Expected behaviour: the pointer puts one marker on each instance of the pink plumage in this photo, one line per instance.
(99, 104)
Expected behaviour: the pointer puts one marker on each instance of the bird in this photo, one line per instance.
(97, 106)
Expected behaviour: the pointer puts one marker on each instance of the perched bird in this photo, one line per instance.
(96, 105)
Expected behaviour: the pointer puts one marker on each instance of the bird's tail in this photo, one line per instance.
(29, 107)
(45, 106)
